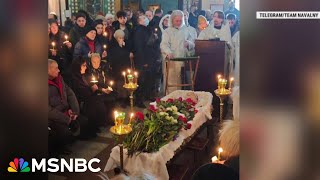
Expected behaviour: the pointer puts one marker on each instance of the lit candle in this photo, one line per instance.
(124, 75)
(129, 71)
(105, 47)
(220, 150)
(219, 76)
(130, 120)
(94, 79)
(53, 45)
(219, 84)
(156, 30)
(136, 77)
(230, 83)
(111, 83)
(116, 114)
(105, 34)
(66, 37)
(214, 159)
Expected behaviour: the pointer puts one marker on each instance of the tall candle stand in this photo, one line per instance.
(222, 93)
(120, 130)
(131, 85)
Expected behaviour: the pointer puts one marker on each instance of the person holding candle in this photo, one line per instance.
(61, 51)
(100, 36)
(93, 106)
(109, 29)
(119, 58)
(88, 45)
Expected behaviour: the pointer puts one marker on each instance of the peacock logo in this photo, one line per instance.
(20, 164)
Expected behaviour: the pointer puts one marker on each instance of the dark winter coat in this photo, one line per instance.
(61, 101)
(76, 33)
(82, 49)
(128, 35)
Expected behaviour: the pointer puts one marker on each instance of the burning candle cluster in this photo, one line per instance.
(119, 118)
(130, 79)
(222, 84)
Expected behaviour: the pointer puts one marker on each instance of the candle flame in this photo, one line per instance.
(231, 79)
(220, 150)
(135, 73)
(123, 73)
(214, 159)
(219, 76)
(111, 83)
(53, 43)
(116, 114)
(66, 37)
(129, 71)
(131, 115)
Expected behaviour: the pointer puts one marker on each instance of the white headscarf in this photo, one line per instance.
(161, 21)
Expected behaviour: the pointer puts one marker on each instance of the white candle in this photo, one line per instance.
(230, 83)
(214, 159)
(66, 37)
(105, 34)
(104, 47)
(53, 45)
(131, 116)
(129, 71)
(124, 75)
(136, 77)
(111, 83)
(220, 150)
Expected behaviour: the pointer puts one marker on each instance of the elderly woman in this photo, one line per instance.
(119, 61)
(96, 76)
(176, 42)
(202, 24)
(88, 45)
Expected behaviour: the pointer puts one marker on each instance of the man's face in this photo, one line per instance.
(81, 22)
(54, 28)
(91, 35)
(99, 29)
(231, 22)
(177, 21)
(95, 61)
(149, 15)
(216, 20)
(122, 20)
(53, 70)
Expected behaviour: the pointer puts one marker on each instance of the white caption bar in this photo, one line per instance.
(288, 15)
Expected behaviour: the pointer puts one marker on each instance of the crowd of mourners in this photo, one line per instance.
(101, 48)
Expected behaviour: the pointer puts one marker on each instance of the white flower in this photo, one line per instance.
(168, 118)
(162, 113)
(169, 109)
(174, 121)
(174, 108)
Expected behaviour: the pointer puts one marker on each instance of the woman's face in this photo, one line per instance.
(216, 20)
(166, 22)
(95, 61)
(91, 35)
(83, 68)
(54, 28)
(81, 22)
(110, 21)
(120, 40)
(99, 29)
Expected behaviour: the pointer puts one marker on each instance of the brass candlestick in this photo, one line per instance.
(131, 85)
(222, 94)
(120, 130)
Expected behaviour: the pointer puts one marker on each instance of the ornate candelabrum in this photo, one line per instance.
(222, 92)
(120, 130)
(131, 84)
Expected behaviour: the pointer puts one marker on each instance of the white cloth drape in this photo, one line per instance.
(155, 163)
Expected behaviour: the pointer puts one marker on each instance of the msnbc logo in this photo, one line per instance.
(18, 164)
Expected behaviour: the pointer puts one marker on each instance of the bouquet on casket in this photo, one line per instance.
(159, 124)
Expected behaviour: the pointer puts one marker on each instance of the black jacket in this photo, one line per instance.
(82, 49)
(59, 105)
(146, 47)
(128, 35)
(76, 33)
(99, 74)
(155, 21)
(118, 58)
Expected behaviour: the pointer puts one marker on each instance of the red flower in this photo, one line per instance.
(158, 100)
(152, 108)
(181, 118)
(189, 126)
(195, 111)
(180, 99)
(140, 116)
(189, 100)
(170, 100)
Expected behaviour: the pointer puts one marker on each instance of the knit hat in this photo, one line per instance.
(118, 33)
(98, 21)
(51, 21)
(89, 28)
